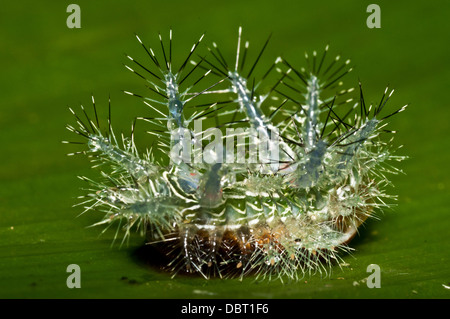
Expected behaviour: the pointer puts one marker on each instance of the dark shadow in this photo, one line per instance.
(366, 233)
(151, 256)
(155, 256)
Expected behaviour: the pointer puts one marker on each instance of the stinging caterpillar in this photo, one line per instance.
(308, 168)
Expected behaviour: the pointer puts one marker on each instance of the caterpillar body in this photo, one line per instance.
(290, 212)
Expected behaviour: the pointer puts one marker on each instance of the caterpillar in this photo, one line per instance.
(308, 168)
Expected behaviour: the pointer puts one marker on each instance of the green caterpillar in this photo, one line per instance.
(309, 167)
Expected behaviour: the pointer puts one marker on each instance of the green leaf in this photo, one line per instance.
(46, 66)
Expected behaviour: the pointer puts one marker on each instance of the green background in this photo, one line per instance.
(46, 67)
